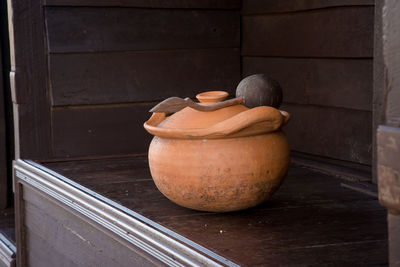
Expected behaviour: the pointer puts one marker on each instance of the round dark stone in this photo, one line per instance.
(260, 90)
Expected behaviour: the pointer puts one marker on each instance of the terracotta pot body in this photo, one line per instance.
(218, 172)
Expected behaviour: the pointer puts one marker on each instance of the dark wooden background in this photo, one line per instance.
(6, 130)
(321, 53)
(3, 141)
(105, 63)
(108, 65)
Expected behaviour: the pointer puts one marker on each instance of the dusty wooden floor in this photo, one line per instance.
(311, 221)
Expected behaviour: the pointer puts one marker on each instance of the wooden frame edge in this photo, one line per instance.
(117, 224)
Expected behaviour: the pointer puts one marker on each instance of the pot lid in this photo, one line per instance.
(189, 118)
(227, 122)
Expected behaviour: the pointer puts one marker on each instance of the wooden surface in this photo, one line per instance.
(388, 113)
(91, 78)
(55, 236)
(123, 29)
(389, 167)
(109, 64)
(391, 62)
(104, 54)
(28, 78)
(217, 4)
(272, 6)
(344, 83)
(341, 32)
(347, 170)
(379, 91)
(310, 221)
(3, 142)
(394, 239)
(103, 130)
(331, 132)
(20, 234)
(321, 54)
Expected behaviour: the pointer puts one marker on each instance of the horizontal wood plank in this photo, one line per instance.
(343, 83)
(141, 76)
(134, 174)
(339, 32)
(114, 29)
(96, 131)
(288, 238)
(331, 132)
(273, 6)
(212, 4)
(58, 237)
(311, 219)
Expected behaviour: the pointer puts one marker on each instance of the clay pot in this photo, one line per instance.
(224, 160)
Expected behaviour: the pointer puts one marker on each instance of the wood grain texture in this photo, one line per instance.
(379, 91)
(272, 6)
(394, 239)
(20, 230)
(355, 174)
(124, 192)
(212, 4)
(300, 246)
(29, 79)
(121, 29)
(135, 231)
(141, 76)
(3, 144)
(391, 61)
(343, 83)
(330, 132)
(388, 137)
(338, 32)
(310, 220)
(388, 140)
(6, 129)
(104, 130)
(58, 237)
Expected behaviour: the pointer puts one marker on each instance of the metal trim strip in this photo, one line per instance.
(158, 241)
(7, 251)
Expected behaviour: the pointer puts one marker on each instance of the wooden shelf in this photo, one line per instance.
(311, 220)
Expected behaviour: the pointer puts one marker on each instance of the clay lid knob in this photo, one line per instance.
(259, 90)
(212, 97)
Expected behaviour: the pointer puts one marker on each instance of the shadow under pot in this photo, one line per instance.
(225, 160)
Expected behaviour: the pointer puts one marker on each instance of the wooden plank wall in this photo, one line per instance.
(4, 183)
(109, 62)
(29, 79)
(51, 228)
(6, 128)
(321, 53)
